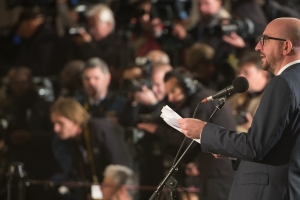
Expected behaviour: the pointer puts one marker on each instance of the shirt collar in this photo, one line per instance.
(96, 102)
(287, 65)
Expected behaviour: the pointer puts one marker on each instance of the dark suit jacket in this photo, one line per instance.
(113, 105)
(270, 163)
(108, 146)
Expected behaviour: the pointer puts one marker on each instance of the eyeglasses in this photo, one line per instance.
(263, 38)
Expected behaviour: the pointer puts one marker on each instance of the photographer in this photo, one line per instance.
(200, 61)
(213, 17)
(153, 30)
(153, 98)
(245, 104)
(28, 128)
(148, 96)
(183, 96)
(32, 42)
(145, 84)
(101, 41)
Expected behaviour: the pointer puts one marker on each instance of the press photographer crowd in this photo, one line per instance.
(83, 83)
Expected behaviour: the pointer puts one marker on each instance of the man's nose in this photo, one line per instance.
(92, 82)
(258, 46)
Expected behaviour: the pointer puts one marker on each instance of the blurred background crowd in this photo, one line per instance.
(83, 83)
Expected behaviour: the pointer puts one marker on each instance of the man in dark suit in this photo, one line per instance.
(270, 163)
(98, 99)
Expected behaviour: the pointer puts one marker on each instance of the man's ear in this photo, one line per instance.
(108, 79)
(288, 47)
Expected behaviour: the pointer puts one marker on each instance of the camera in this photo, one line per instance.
(44, 88)
(168, 11)
(243, 27)
(134, 85)
(75, 30)
(171, 9)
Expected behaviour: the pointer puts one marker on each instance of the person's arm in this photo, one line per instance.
(86, 50)
(62, 14)
(185, 37)
(269, 123)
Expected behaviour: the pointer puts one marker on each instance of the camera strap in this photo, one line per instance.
(87, 138)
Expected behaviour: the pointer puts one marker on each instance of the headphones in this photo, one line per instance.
(185, 80)
(189, 86)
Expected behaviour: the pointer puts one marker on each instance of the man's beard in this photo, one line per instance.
(270, 64)
(267, 67)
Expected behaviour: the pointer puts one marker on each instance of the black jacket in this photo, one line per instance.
(108, 146)
(270, 150)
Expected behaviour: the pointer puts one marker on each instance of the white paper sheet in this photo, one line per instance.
(171, 117)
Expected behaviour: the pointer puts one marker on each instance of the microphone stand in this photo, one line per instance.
(169, 180)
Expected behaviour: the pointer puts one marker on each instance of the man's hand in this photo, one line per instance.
(145, 97)
(83, 37)
(191, 127)
(132, 73)
(149, 127)
(179, 31)
(234, 40)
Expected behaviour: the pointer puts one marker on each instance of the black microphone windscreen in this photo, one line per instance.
(240, 84)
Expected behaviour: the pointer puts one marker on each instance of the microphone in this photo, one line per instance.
(239, 85)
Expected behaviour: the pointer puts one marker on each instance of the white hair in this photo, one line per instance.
(122, 175)
(104, 12)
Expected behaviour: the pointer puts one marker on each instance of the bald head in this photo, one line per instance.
(280, 44)
(161, 68)
(288, 28)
